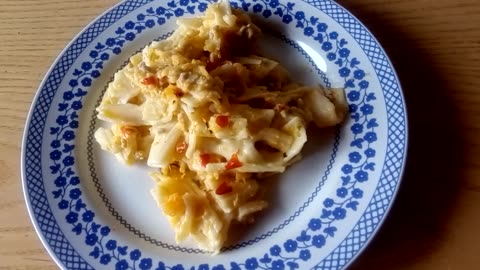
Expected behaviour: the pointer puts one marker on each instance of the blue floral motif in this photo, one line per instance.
(327, 46)
(339, 213)
(275, 250)
(121, 265)
(344, 52)
(73, 83)
(363, 84)
(110, 42)
(357, 128)
(72, 217)
(305, 254)
(361, 176)
(299, 15)
(150, 23)
(290, 245)
(62, 120)
(105, 56)
(369, 153)
(333, 35)
(69, 135)
(322, 27)
(318, 241)
(315, 223)
(353, 96)
(68, 161)
(308, 31)
(146, 264)
(177, 267)
(359, 74)
(367, 109)
(179, 12)
(130, 36)
(105, 259)
(274, 3)
(357, 193)
(86, 66)
(68, 96)
(74, 181)
(356, 85)
(91, 239)
(354, 157)
(88, 216)
(331, 56)
(278, 265)
(63, 204)
(347, 168)
(202, 7)
(344, 72)
(55, 155)
(161, 266)
(160, 10)
(75, 194)
(86, 82)
(73, 124)
(328, 202)
(93, 54)
(161, 21)
(287, 19)
(76, 105)
(105, 231)
(342, 192)
(353, 108)
(111, 245)
(251, 264)
(257, 8)
(128, 25)
(203, 267)
(135, 254)
(370, 137)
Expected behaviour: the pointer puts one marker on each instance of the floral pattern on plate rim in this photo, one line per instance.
(286, 255)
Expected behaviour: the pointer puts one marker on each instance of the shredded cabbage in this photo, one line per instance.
(213, 117)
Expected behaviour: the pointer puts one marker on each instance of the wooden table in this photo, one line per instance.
(435, 47)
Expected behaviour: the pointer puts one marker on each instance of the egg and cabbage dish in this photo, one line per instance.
(213, 118)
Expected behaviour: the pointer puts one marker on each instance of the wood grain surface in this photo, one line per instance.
(435, 48)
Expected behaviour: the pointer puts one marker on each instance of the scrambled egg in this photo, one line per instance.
(213, 117)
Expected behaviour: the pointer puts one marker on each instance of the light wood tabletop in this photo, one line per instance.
(435, 48)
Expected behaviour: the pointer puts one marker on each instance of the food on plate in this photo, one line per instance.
(213, 117)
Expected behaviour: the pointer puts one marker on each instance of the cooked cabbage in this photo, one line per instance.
(213, 117)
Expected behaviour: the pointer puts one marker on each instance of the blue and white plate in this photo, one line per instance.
(93, 213)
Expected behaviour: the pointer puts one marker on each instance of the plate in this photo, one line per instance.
(90, 212)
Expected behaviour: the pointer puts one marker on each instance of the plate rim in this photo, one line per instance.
(26, 128)
(34, 102)
(405, 149)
